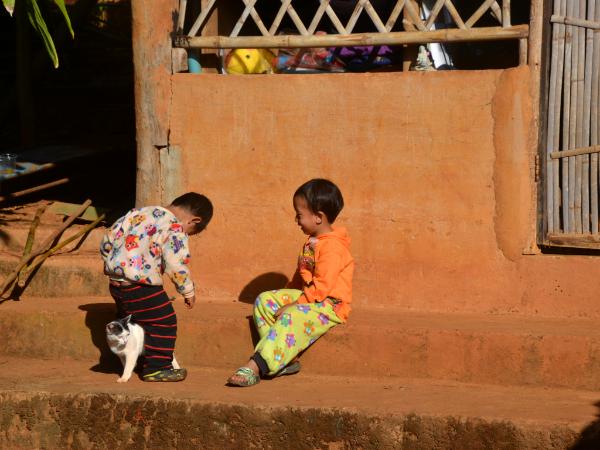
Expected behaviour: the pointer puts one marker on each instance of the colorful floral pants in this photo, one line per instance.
(295, 330)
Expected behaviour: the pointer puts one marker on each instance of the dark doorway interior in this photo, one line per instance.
(85, 104)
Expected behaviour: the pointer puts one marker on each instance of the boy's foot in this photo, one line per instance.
(166, 375)
(245, 376)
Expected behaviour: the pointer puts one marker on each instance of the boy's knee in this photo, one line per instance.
(265, 299)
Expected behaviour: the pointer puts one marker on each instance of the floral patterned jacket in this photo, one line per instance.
(144, 244)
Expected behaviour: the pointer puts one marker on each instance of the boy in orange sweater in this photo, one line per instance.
(317, 298)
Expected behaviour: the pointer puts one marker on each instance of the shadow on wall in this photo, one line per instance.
(589, 439)
(265, 282)
(96, 318)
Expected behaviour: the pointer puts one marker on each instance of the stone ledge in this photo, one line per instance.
(62, 404)
(501, 350)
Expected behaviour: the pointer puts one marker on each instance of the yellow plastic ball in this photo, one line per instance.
(249, 60)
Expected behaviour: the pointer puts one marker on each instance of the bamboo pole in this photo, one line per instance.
(30, 238)
(575, 187)
(455, 15)
(29, 243)
(258, 21)
(582, 167)
(39, 260)
(596, 99)
(31, 235)
(592, 24)
(374, 17)
(594, 192)
(409, 52)
(557, 111)
(355, 14)
(335, 20)
(34, 189)
(551, 224)
(585, 193)
(435, 11)
(478, 13)
(181, 16)
(281, 13)
(573, 240)
(201, 18)
(506, 13)
(523, 48)
(332, 40)
(576, 151)
(412, 9)
(242, 20)
(553, 140)
(566, 181)
(497, 12)
(595, 57)
(587, 94)
(47, 243)
(295, 18)
(316, 18)
(395, 14)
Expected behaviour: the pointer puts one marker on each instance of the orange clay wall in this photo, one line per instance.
(437, 171)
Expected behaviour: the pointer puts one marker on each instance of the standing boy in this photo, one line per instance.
(137, 250)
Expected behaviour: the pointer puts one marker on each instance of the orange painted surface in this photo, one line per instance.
(436, 170)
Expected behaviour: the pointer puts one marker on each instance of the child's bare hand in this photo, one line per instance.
(281, 310)
(190, 302)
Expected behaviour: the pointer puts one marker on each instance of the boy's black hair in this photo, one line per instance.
(322, 195)
(198, 205)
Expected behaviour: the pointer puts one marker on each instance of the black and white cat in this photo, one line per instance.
(126, 340)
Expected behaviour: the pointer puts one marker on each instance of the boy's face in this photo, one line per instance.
(309, 222)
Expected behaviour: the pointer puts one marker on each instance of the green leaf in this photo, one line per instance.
(37, 22)
(63, 10)
(9, 5)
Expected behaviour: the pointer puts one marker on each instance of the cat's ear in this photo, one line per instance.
(127, 319)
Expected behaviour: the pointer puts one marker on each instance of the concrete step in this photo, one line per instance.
(63, 275)
(75, 270)
(61, 403)
(501, 350)
(14, 238)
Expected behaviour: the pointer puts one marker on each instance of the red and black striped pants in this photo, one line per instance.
(150, 308)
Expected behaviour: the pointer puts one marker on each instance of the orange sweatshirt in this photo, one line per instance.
(325, 269)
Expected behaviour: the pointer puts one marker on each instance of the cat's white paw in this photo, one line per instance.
(122, 380)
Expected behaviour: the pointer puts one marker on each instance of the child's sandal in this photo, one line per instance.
(247, 376)
(290, 369)
(166, 375)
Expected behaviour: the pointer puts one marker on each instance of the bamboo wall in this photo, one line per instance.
(571, 215)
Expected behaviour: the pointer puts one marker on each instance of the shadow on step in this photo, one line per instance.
(96, 318)
(589, 439)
